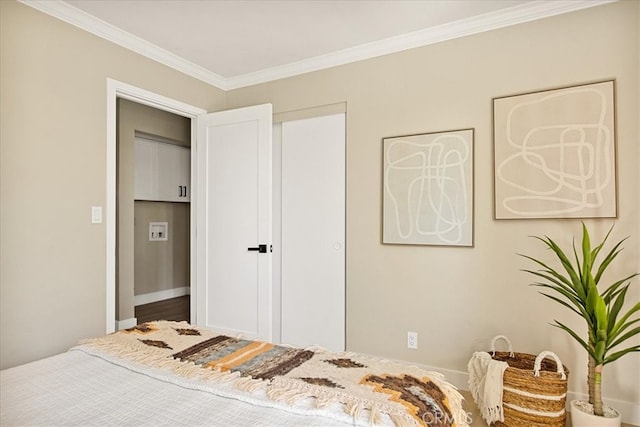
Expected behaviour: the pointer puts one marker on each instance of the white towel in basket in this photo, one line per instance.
(485, 385)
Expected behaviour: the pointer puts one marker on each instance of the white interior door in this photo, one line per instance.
(313, 232)
(233, 216)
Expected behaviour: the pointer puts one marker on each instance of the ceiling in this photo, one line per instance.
(237, 43)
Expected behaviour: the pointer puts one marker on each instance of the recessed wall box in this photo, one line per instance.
(158, 231)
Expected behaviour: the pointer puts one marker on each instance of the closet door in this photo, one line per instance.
(174, 172)
(313, 232)
(146, 169)
(233, 221)
(162, 171)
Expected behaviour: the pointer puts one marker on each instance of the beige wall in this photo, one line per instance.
(140, 262)
(53, 170)
(162, 265)
(458, 298)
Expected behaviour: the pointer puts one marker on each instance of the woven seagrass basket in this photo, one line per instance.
(534, 388)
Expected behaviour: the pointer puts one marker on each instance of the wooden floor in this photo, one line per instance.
(170, 309)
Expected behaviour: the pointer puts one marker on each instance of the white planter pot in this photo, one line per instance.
(582, 416)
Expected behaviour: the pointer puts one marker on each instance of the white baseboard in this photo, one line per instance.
(126, 324)
(160, 295)
(630, 411)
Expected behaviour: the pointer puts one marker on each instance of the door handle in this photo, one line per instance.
(260, 249)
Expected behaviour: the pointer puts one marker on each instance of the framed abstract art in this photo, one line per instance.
(554, 153)
(428, 189)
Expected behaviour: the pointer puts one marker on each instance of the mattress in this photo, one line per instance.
(79, 389)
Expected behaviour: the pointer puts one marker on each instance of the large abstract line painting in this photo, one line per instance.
(428, 189)
(555, 153)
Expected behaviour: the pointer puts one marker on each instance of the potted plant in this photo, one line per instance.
(575, 286)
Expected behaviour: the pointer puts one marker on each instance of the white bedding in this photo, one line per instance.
(176, 374)
(78, 389)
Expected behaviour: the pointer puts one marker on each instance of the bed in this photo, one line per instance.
(173, 373)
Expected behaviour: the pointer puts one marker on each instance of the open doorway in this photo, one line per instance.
(198, 298)
(118, 90)
(153, 215)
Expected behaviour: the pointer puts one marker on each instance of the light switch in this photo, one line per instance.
(96, 214)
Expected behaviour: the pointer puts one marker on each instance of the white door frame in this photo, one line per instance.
(117, 89)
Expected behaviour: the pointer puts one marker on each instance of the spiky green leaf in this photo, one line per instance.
(611, 292)
(615, 308)
(623, 323)
(558, 300)
(575, 336)
(623, 338)
(587, 258)
(617, 355)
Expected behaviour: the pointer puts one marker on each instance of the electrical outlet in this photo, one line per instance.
(412, 340)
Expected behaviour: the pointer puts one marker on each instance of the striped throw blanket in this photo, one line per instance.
(378, 390)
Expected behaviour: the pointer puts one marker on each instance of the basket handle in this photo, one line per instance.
(493, 345)
(538, 362)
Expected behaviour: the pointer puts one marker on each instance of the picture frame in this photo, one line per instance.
(555, 153)
(427, 188)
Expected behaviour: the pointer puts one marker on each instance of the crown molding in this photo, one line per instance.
(526, 12)
(530, 11)
(76, 17)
